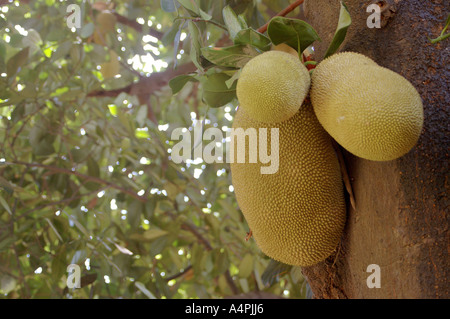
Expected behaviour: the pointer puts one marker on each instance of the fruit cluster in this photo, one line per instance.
(297, 215)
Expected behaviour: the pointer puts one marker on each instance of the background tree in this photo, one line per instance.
(85, 141)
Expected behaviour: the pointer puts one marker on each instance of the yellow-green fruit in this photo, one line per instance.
(285, 48)
(369, 110)
(339, 62)
(297, 214)
(272, 86)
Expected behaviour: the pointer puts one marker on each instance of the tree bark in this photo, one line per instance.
(401, 217)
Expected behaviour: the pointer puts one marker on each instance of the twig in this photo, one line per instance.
(181, 273)
(192, 228)
(147, 85)
(344, 173)
(62, 201)
(196, 19)
(282, 13)
(14, 248)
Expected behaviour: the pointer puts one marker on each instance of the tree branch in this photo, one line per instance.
(147, 85)
(181, 273)
(282, 13)
(153, 83)
(10, 2)
(192, 228)
(60, 202)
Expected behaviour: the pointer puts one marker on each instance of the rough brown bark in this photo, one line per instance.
(401, 220)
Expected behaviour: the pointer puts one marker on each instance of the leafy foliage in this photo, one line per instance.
(341, 30)
(85, 139)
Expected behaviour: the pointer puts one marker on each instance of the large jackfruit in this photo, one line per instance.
(297, 214)
(369, 110)
(272, 86)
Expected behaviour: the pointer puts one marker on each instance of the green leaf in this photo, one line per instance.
(205, 16)
(242, 21)
(7, 186)
(79, 257)
(344, 22)
(16, 61)
(112, 109)
(231, 21)
(176, 43)
(141, 114)
(62, 50)
(141, 133)
(221, 261)
(6, 242)
(215, 91)
(79, 226)
(169, 5)
(273, 271)
(7, 284)
(144, 290)
(87, 279)
(77, 155)
(54, 228)
(191, 6)
(3, 23)
(296, 33)
(233, 79)
(296, 274)
(198, 257)
(135, 209)
(59, 262)
(60, 91)
(246, 266)
(178, 82)
(5, 205)
(2, 52)
(195, 44)
(170, 34)
(149, 235)
(254, 38)
(87, 30)
(93, 168)
(32, 40)
(158, 245)
(235, 56)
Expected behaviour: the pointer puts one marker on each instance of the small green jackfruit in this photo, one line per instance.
(369, 110)
(272, 86)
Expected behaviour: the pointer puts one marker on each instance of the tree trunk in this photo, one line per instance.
(400, 222)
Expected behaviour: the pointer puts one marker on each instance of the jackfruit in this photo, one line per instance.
(272, 86)
(369, 110)
(297, 214)
(338, 62)
(285, 48)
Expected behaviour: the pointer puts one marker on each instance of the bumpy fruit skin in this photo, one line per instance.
(296, 215)
(339, 62)
(272, 86)
(285, 48)
(369, 110)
